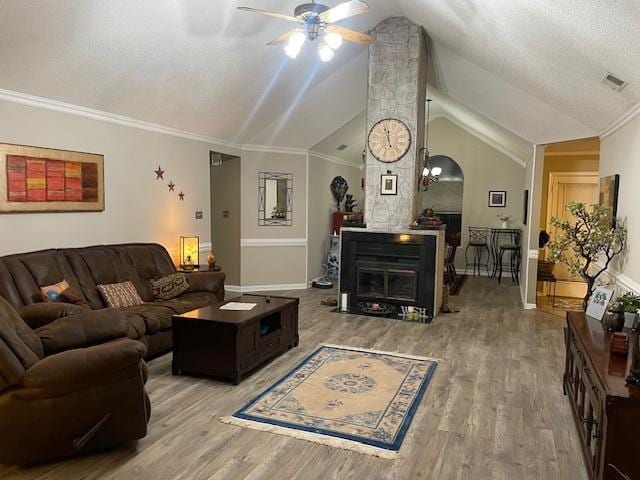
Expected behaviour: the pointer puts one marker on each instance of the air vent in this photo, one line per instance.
(342, 147)
(613, 81)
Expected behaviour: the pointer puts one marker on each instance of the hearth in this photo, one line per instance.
(392, 268)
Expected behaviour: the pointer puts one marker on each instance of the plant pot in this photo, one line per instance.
(629, 317)
(613, 322)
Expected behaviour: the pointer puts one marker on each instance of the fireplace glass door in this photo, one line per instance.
(386, 282)
(371, 282)
(402, 285)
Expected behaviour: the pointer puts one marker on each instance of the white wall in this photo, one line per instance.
(273, 255)
(484, 169)
(137, 206)
(620, 154)
(322, 205)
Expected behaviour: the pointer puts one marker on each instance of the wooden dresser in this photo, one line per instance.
(605, 408)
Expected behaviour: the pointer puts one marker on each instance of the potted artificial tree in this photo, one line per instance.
(587, 243)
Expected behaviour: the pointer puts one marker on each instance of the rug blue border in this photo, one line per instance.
(406, 422)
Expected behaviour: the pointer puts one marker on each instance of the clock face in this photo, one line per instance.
(389, 140)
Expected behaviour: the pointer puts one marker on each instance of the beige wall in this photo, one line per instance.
(137, 206)
(322, 205)
(620, 153)
(225, 231)
(484, 169)
(267, 264)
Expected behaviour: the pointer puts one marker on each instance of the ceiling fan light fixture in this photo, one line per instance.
(297, 40)
(292, 51)
(325, 52)
(333, 39)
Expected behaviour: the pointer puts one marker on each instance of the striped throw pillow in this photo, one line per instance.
(120, 295)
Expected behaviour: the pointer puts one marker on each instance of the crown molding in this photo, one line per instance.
(101, 116)
(332, 159)
(621, 122)
(583, 153)
(273, 149)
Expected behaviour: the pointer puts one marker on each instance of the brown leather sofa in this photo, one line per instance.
(22, 275)
(73, 385)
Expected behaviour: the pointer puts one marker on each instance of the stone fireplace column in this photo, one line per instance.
(396, 89)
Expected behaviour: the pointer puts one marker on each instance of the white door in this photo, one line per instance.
(564, 188)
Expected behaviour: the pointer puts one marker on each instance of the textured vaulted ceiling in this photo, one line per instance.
(532, 67)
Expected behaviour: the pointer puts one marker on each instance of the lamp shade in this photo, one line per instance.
(189, 251)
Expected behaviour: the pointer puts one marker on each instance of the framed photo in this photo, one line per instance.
(599, 302)
(497, 198)
(609, 188)
(388, 184)
(34, 179)
(525, 212)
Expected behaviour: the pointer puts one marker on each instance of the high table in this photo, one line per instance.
(498, 237)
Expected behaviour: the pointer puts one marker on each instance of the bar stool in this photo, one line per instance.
(478, 237)
(514, 257)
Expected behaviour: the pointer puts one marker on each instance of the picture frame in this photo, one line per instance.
(388, 184)
(525, 212)
(497, 198)
(38, 179)
(599, 302)
(609, 190)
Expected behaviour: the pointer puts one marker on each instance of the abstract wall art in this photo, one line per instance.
(34, 179)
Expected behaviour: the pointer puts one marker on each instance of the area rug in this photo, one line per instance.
(344, 397)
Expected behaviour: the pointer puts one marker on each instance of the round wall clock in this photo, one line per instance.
(389, 140)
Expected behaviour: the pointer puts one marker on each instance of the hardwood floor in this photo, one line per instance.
(494, 409)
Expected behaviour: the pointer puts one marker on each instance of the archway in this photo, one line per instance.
(445, 196)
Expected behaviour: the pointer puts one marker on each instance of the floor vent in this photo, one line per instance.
(613, 81)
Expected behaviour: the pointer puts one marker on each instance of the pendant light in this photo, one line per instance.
(429, 174)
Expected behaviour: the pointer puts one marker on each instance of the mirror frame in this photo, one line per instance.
(263, 220)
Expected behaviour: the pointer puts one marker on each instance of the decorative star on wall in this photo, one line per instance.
(159, 173)
(181, 196)
(171, 185)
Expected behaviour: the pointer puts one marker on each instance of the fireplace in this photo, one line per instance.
(387, 281)
(393, 268)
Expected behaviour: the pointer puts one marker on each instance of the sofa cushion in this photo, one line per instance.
(21, 346)
(37, 315)
(120, 295)
(136, 325)
(156, 316)
(83, 330)
(169, 286)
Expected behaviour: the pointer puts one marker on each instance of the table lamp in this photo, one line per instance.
(189, 252)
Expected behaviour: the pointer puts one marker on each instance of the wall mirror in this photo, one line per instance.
(275, 192)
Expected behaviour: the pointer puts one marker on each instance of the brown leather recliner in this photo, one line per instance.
(73, 385)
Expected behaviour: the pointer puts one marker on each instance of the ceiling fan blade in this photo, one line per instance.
(282, 38)
(351, 35)
(270, 14)
(344, 10)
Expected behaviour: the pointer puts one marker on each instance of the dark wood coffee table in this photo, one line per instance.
(230, 344)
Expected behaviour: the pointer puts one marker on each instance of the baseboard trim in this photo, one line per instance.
(265, 288)
(530, 306)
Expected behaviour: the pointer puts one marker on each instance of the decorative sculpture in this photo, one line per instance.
(339, 187)
(634, 372)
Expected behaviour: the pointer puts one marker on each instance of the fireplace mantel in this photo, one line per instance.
(400, 267)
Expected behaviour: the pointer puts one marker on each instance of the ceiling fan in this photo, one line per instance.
(317, 21)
